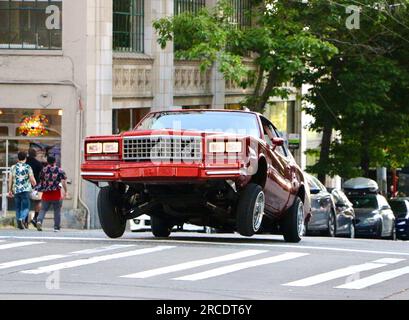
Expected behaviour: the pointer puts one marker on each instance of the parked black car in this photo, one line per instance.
(373, 215)
(326, 218)
(400, 207)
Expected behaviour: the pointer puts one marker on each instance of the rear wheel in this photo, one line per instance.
(110, 217)
(250, 210)
(293, 225)
(161, 228)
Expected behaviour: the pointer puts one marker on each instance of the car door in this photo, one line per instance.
(387, 215)
(278, 184)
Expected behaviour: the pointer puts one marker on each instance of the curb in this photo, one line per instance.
(8, 222)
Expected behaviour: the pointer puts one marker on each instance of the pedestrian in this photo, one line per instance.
(37, 166)
(21, 182)
(52, 178)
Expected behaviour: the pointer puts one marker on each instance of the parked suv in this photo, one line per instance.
(228, 170)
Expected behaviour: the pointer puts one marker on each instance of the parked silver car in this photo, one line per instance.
(374, 217)
(345, 214)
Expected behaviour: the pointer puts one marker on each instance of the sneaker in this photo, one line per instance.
(20, 224)
(34, 223)
(56, 229)
(39, 226)
(25, 224)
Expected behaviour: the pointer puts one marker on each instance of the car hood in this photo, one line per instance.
(172, 132)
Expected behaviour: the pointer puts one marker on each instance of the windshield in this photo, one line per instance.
(399, 208)
(364, 202)
(206, 121)
(315, 184)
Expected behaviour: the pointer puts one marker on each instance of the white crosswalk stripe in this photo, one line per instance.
(93, 260)
(23, 262)
(19, 244)
(343, 272)
(104, 249)
(375, 279)
(241, 266)
(194, 264)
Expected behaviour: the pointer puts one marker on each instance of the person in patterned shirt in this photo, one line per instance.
(51, 179)
(21, 185)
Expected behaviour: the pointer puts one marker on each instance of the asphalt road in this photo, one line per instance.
(87, 265)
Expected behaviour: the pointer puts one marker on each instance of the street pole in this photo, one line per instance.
(381, 175)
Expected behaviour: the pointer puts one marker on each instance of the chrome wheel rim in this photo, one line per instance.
(300, 220)
(258, 211)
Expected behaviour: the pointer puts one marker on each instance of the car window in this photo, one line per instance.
(266, 136)
(207, 121)
(382, 201)
(269, 130)
(283, 150)
(337, 197)
(344, 198)
(399, 208)
(318, 183)
(364, 202)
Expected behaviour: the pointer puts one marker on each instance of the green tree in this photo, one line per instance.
(362, 92)
(278, 42)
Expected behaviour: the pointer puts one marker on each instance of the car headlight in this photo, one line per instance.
(94, 147)
(217, 147)
(402, 223)
(233, 146)
(111, 147)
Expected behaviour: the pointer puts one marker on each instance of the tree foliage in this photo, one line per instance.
(362, 92)
(278, 41)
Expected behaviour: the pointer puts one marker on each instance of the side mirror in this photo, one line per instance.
(278, 142)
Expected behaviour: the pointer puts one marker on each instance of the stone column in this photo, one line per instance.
(163, 65)
(99, 67)
(218, 83)
(95, 61)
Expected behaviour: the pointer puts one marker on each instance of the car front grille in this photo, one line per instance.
(163, 148)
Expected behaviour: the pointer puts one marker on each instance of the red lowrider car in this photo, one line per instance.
(229, 170)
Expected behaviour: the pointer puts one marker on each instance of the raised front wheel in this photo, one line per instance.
(250, 210)
(110, 217)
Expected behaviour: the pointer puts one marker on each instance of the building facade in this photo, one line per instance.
(74, 68)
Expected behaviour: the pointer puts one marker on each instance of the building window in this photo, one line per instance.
(192, 6)
(126, 119)
(241, 12)
(31, 24)
(128, 26)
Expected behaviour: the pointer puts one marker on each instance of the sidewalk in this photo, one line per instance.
(9, 220)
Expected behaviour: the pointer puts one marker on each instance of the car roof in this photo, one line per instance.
(361, 183)
(204, 110)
